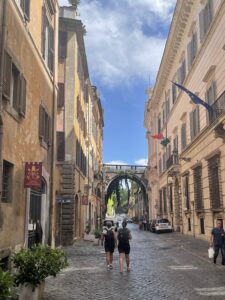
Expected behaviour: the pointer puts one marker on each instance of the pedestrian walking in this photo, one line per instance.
(109, 241)
(124, 236)
(217, 241)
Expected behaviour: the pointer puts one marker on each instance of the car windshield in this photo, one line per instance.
(163, 221)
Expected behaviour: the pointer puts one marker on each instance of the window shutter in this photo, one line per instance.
(27, 10)
(41, 122)
(191, 126)
(63, 44)
(43, 39)
(49, 140)
(61, 95)
(197, 115)
(174, 93)
(194, 45)
(22, 96)
(213, 92)
(189, 54)
(7, 74)
(51, 49)
(202, 24)
(183, 136)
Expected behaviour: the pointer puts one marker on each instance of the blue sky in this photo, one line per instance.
(124, 44)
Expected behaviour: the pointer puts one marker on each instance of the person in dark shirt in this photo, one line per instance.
(217, 241)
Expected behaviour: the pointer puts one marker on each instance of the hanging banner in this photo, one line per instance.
(84, 200)
(33, 174)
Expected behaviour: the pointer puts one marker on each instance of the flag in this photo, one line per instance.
(158, 136)
(165, 142)
(194, 97)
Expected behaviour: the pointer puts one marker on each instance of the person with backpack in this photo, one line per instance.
(109, 240)
(124, 237)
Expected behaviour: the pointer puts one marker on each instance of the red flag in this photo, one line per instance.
(158, 136)
(33, 174)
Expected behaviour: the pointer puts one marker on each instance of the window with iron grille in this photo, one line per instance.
(189, 224)
(186, 191)
(205, 18)
(214, 182)
(197, 176)
(160, 201)
(164, 200)
(202, 226)
(7, 182)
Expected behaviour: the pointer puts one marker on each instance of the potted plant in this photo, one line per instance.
(6, 283)
(33, 265)
(97, 234)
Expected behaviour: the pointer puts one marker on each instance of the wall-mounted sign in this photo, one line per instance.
(33, 174)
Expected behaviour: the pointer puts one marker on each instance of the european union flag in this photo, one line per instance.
(194, 97)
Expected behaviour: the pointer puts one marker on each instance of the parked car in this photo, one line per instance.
(129, 220)
(163, 225)
(152, 225)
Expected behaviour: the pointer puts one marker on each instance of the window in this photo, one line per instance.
(202, 226)
(160, 201)
(81, 160)
(186, 192)
(175, 143)
(210, 98)
(205, 18)
(25, 6)
(44, 126)
(171, 197)
(7, 182)
(159, 123)
(192, 49)
(181, 72)
(174, 93)
(183, 136)
(47, 38)
(214, 181)
(164, 200)
(61, 95)
(167, 107)
(14, 86)
(62, 44)
(197, 173)
(60, 144)
(189, 224)
(194, 122)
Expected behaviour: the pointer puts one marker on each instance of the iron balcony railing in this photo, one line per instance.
(172, 160)
(218, 109)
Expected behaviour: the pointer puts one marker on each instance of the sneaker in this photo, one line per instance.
(110, 266)
(128, 269)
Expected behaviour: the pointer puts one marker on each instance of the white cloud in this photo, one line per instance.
(141, 162)
(124, 38)
(116, 162)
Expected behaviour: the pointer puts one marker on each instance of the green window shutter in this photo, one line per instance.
(41, 122)
(22, 96)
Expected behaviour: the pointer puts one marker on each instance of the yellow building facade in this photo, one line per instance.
(186, 177)
(28, 94)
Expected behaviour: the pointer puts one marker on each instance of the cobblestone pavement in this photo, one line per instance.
(164, 266)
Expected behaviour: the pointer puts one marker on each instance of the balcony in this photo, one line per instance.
(218, 109)
(172, 160)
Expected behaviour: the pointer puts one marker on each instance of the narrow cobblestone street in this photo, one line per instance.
(165, 266)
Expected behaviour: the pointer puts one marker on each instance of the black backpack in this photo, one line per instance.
(109, 237)
(123, 235)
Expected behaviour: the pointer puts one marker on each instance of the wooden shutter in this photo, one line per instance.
(63, 37)
(61, 95)
(27, 9)
(51, 49)
(214, 182)
(202, 24)
(49, 131)
(60, 146)
(197, 176)
(41, 122)
(7, 75)
(43, 31)
(191, 125)
(22, 96)
(189, 54)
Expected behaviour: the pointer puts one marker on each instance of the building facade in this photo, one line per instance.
(77, 138)
(186, 176)
(28, 93)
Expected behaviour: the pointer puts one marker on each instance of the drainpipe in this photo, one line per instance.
(53, 152)
(3, 40)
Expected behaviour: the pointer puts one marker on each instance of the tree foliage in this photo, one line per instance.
(74, 3)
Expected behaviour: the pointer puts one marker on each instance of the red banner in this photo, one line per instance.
(84, 200)
(33, 174)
